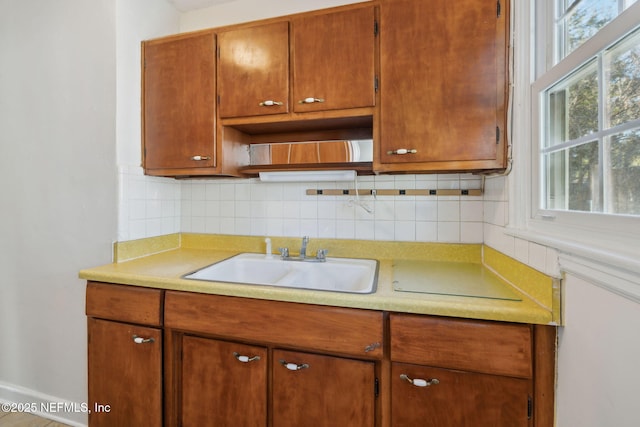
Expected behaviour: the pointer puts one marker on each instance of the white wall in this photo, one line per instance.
(598, 375)
(58, 196)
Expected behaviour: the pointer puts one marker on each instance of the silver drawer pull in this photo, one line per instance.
(310, 100)
(270, 103)
(139, 340)
(200, 158)
(401, 151)
(420, 382)
(245, 359)
(293, 366)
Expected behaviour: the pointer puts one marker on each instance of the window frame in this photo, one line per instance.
(609, 239)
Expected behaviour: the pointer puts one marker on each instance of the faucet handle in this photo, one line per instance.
(284, 252)
(322, 254)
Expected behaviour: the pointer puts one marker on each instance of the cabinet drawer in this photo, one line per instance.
(124, 303)
(471, 345)
(333, 329)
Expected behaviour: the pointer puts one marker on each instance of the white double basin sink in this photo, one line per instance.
(334, 274)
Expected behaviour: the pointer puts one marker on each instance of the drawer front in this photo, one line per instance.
(470, 345)
(333, 329)
(124, 303)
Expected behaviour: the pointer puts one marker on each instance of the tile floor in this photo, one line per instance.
(23, 419)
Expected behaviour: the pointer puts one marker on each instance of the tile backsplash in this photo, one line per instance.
(151, 206)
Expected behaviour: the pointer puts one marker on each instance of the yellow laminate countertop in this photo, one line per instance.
(161, 263)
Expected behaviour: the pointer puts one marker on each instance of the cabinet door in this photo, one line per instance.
(333, 60)
(125, 374)
(458, 399)
(442, 85)
(317, 390)
(253, 70)
(179, 95)
(224, 384)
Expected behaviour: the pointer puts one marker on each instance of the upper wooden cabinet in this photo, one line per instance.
(179, 103)
(334, 60)
(443, 91)
(253, 70)
(332, 57)
(179, 110)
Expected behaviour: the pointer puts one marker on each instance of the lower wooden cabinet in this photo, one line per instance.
(423, 396)
(125, 374)
(222, 383)
(192, 359)
(323, 391)
(124, 355)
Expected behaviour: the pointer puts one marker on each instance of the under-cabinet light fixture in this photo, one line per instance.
(308, 176)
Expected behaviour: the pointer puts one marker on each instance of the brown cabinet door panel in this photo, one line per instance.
(333, 60)
(322, 391)
(440, 80)
(459, 399)
(125, 377)
(472, 345)
(224, 384)
(253, 69)
(179, 102)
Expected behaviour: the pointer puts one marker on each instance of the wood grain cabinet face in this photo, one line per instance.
(179, 103)
(442, 85)
(459, 399)
(323, 391)
(460, 372)
(125, 376)
(223, 383)
(253, 70)
(334, 60)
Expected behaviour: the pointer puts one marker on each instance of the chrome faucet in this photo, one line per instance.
(303, 249)
(321, 255)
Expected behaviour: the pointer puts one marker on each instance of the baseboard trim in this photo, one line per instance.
(21, 399)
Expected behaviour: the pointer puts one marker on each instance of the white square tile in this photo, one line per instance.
(448, 210)
(405, 231)
(365, 230)
(471, 211)
(275, 227)
(309, 227)
(326, 209)
(405, 210)
(242, 189)
(471, 232)
(426, 209)
(291, 227)
(309, 209)
(198, 191)
(448, 232)
(345, 229)
(384, 230)
(212, 191)
(521, 248)
(274, 209)
(384, 209)
(426, 231)
(537, 256)
(291, 209)
(212, 225)
(327, 228)
(257, 208)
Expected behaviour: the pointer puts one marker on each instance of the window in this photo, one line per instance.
(591, 143)
(584, 126)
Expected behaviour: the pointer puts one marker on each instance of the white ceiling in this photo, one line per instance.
(187, 5)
